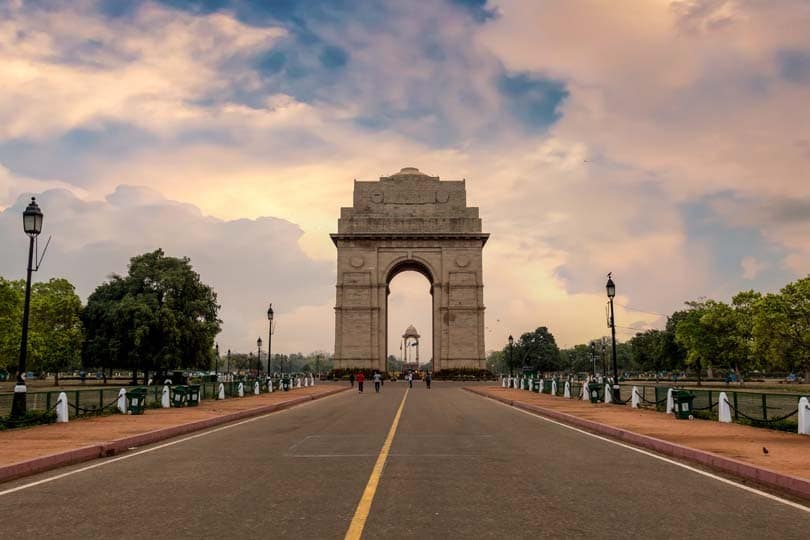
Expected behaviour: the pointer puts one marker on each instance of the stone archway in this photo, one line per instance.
(409, 221)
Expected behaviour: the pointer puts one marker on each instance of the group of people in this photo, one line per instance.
(378, 380)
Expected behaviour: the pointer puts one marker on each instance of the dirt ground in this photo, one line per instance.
(788, 453)
(23, 444)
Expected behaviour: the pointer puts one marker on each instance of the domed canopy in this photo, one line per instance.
(409, 171)
(411, 333)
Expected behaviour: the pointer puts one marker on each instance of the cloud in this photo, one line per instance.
(751, 267)
(667, 153)
(249, 262)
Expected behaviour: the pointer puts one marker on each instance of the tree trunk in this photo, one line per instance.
(134, 376)
(698, 373)
(145, 377)
(56, 378)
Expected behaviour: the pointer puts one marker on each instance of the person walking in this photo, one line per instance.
(410, 379)
(360, 379)
(427, 380)
(377, 381)
(351, 379)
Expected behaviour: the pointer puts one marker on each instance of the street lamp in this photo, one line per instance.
(611, 292)
(269, 337)
(511, 343)
(258, 357)
(229, 364)
(593, 360)
(32, 225)
(216, 359)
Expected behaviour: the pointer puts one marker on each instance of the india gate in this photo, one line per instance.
(409, 221)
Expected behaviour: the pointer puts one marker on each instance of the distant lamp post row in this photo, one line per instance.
(32, 225)
(611, 292)
(269, 337)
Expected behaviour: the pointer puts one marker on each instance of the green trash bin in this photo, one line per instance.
(285, 383)
(536, 385)
(193, 396)
(594, 391)
(682, 403)
(179, 395)
(137, 400)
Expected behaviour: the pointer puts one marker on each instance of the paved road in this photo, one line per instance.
(460, 466)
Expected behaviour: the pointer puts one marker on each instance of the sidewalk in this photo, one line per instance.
(33, 450)
(731, 448)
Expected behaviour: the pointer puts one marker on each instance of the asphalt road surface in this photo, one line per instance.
(460, 466)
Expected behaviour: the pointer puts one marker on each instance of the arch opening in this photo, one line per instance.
(409, 325)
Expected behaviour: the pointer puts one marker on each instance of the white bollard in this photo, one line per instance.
(804, 416)
(241, 390)
(503, 382)
(542, 385)
(585, 396)
(62, 409)
(608, 393)
(256, 387)
(221, 393)
(306, 381)
(723, 409)
(150, 382)
(636, 398)
(670, 402)
(553, 388)
(122, 401)
(165, 398)
(269, 386)
(567, 390)
(312, 380)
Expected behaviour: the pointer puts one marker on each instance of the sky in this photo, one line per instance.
(667, 142)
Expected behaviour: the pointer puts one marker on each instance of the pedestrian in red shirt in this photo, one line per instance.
(360, 379)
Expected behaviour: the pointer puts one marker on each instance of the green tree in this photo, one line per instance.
(160, 316)
(56, 333)
(537, 349)
(781, 327)
(11, 307)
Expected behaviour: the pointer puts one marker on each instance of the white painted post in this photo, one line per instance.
(62, 409)
(122, 401)
(567, 393)
(241, 389)
(804, 416)
(503, 382)
(585, 395)
(553, 388)
(670, 402)
(221, 393)
(306, 381)
(312, 381)
(723, 409)
(542, 385)
(636, 398)
(608, 393)
(269, 385)
(149, 383)
(256, 387)
(165, 398)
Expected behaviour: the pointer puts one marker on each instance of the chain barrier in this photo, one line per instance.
(93, 410)
(29, 420)
(709, 408)
(760, 421)
(656, 403)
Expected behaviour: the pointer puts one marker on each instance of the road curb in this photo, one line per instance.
(766, 477)
(118, 446)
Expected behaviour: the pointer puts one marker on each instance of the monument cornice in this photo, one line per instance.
(483, 237)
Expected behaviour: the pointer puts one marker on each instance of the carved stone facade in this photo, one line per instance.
(409, 221)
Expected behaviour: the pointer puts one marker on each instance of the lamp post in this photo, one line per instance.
(611, 292)
(216, 359)
(511, 343)
(593, 360)
(229, 362)
(258, 357)
(269, 337)
(32, 225)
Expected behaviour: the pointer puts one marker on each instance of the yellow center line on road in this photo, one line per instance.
(364, 506)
